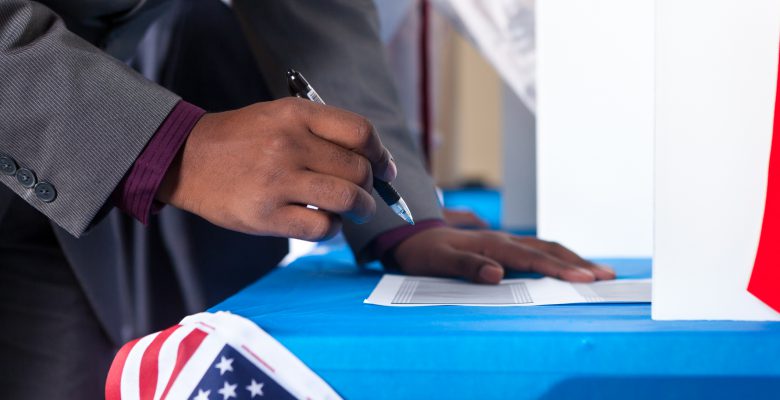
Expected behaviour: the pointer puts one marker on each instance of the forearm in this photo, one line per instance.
(73, 115)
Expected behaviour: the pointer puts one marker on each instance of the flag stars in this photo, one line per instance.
(228, 391)
(225, 364)
(202, 395)
(255, 389)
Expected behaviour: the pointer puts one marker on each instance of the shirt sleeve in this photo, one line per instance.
(380, 247)
(135, 193)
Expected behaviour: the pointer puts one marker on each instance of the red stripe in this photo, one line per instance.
(258, 358)
(765, 281)
(114, 379)
(207, 325)
(425, 86)
(187, 348)
(147, 376)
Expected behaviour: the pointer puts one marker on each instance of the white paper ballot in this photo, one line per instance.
(413, 291)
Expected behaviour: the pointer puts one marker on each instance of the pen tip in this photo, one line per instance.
(402, 210)
(407, 216)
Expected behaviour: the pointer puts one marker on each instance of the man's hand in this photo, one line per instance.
(256, 169)
(481, 256)
(464, 219)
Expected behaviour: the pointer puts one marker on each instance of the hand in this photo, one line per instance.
(464, 219)
(255, 170)
(481, 256)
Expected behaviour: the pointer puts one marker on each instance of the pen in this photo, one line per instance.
(299, 87)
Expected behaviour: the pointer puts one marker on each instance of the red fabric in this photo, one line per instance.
(425, 86)
(114, 379)
(765, 280)
(147, 379)
(187, 348)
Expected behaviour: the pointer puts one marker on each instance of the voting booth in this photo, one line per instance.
(715, 239)
(594, 119)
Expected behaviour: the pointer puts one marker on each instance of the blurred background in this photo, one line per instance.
(465, 74)
(573, 163)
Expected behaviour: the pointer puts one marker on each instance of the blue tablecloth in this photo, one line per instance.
(315, 308)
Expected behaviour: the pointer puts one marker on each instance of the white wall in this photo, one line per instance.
(595, 125)
(714, 109)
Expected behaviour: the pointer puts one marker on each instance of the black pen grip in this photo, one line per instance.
(386, 192)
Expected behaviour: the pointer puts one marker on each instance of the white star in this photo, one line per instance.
(228, 391)
(255, 389)
(225, 364)
(202, 395)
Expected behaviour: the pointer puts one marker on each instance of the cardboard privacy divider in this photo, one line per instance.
(716, 82)
(594, 118)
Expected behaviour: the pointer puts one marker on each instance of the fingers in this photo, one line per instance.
(333, 194)
(524, 258)
(303, 223)
(352, 132)
(480, 255)
(599, 271)
(462, 264)
(331, 159)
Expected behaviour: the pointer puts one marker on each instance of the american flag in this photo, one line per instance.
(211, 356)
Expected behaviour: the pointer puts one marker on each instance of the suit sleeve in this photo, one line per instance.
(73, 116)
(336, 45)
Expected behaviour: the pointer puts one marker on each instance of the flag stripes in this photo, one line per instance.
(211, 356)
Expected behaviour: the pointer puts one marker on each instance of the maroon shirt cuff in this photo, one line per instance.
(135, 193)
(385, 242)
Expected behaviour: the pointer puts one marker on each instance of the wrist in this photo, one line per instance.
(137, 192)
(179, 183)
(385, 245)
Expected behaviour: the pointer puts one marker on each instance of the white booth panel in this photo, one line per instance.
(595, 125)
(716, 79)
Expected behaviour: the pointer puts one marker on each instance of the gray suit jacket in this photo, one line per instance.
(78, 117)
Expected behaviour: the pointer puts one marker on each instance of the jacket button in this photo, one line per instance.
(26, 177)
(7, 165)
(45, 192)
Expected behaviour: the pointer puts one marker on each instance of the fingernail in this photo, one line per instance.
(491, 273)
(391, 172)
(585, 272)
(605, 268)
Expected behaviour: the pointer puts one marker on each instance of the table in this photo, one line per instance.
(314, 307)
